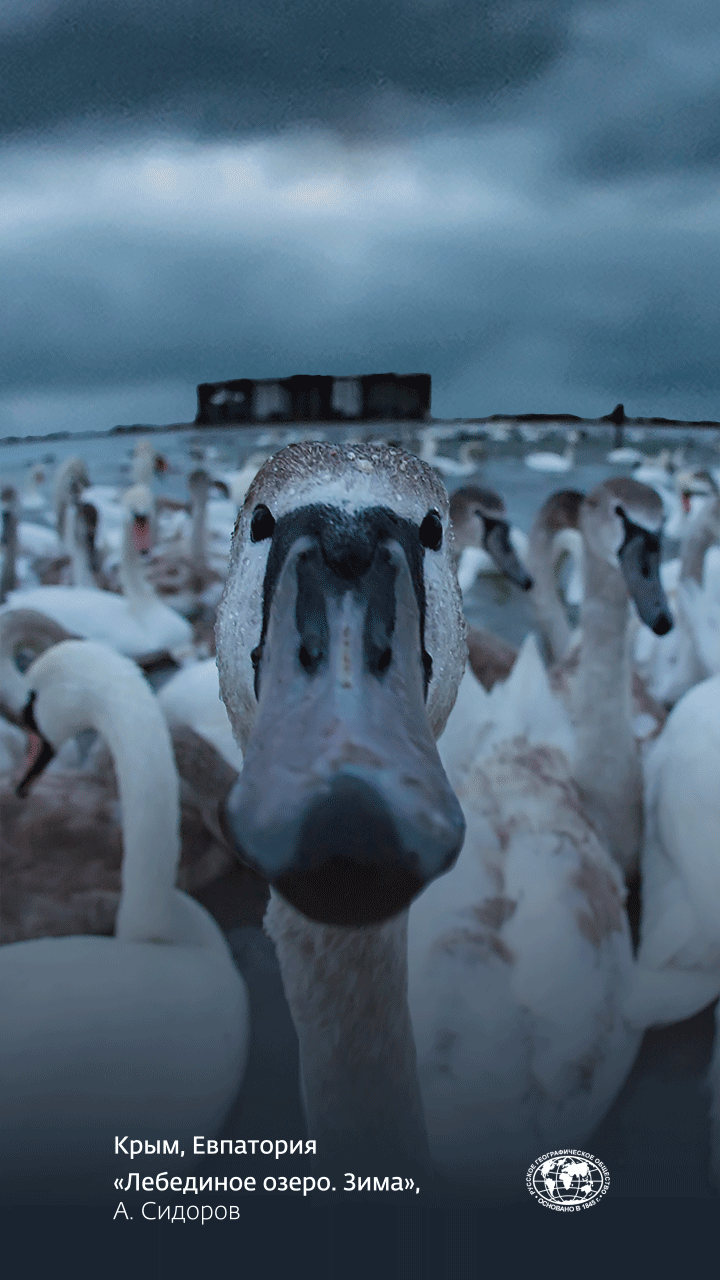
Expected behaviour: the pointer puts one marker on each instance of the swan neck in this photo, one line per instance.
(136, 589)
(150, 814)
(347, 992)
(8, 577)
(549, 609)
(82, 575)
(702, 534)
(606, 764)
(198, 532)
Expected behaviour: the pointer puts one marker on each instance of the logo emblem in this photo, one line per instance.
(567, 1180)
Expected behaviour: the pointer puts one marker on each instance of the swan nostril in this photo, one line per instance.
(663, 624)
(262, 524)
(431, 531)
(384, 660)
(310, 655)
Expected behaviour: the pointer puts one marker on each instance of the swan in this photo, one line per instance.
(678, 963)
(185, 577)
(142, 1033)
(71, 479)
(8, 541)
(75, 808)
(625, 456)
(618, 528)
(554, 535)
(517, 951)
(34, 498)
(137, 623)
(657, 470)
(238, 482)
(470, 456)
(484, 540)
(544, 460)
(691, 655)
(147, 463)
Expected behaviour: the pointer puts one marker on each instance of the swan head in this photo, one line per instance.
(696, 482)
(25, 634)
(341, 646)
(200, 482)
(148, 462)
(621, 520)
(72, 477)
(479, 519)
(67, 687)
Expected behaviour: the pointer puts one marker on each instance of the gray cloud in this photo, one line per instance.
(514, 307)
(519, 198)
(233, 68)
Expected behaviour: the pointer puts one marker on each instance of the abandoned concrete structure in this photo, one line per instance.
(308, 398)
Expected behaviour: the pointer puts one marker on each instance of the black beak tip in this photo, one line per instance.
(662, 624)
(527, 583)
(346, 893)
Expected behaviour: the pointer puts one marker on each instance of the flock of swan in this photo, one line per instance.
(448, 842)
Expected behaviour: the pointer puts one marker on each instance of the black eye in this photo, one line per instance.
(262, 525)
(24, 658)
(431, 531)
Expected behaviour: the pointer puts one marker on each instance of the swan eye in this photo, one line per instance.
(24, 657)
(431, 531)
(262, 525)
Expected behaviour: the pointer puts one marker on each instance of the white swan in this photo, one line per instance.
(137, 623)
(625, 456)
(8, 541)
(238, 482)
(518, 956)
(471, 454)
(485, 542)
(544, 460)
(186, 575)
(678, 969)
(692, 652)
(34, 497)
(144, 1033)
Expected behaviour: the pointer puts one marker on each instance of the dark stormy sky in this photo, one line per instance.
(520, 197)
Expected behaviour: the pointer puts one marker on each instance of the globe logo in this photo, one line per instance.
(567, 1180)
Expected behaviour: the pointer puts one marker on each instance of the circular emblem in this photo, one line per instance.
(567, 1180)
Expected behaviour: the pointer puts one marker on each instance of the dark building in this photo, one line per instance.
(225, 401)
(308, 398)
(385, 395)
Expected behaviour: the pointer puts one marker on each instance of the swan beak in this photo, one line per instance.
(497, 543)
(639, 559)
(343, 804)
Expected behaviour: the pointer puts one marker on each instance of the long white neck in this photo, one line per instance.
(606, 763)
(82, 574)
(703, 532)
(8, 576)
(198, 532)
(347, 992)
(137, 590)
(544, 552)
(139, 741)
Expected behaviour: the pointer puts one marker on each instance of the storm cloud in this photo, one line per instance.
(520, 199)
